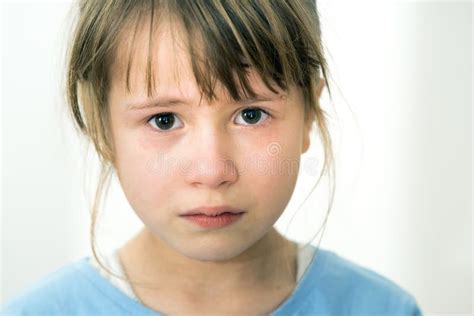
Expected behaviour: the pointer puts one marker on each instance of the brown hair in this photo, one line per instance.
(280, 39)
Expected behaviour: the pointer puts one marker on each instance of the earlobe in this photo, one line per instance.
(306, 144)
(306, 138)
(319, 88)
(310, 120)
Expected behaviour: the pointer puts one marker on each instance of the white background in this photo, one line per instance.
(404, 193)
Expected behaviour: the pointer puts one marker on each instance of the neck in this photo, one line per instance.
(268, 264)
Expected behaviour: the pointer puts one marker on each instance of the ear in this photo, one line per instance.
(319, 88)
(306, 139)
(310, 117)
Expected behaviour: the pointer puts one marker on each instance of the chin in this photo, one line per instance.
(214, 252)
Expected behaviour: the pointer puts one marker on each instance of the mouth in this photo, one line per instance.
(214, 221)
(213, 211)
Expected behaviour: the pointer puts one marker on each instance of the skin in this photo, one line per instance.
(247, 267)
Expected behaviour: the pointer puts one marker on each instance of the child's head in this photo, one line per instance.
(200, 103)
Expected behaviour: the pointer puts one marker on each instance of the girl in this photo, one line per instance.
(188, 103)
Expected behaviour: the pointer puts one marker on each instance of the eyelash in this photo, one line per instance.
(257, 125)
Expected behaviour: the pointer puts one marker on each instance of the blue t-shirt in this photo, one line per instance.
(331, 285)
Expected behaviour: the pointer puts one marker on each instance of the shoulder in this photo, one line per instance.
(64, 291)
(349, 288)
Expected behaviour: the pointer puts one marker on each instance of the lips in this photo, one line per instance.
(214, 222)
(213, 210)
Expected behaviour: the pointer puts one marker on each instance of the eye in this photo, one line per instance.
(253, 115)
(162, 121)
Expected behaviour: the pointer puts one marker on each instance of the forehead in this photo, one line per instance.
(139, 50)
(162, 54)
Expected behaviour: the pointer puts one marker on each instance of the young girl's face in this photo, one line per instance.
(201, 155)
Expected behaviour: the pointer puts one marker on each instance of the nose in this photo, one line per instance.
(209, 163)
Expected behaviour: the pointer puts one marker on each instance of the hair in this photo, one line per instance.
(280, 39)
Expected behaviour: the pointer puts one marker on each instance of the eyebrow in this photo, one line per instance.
(166, 102)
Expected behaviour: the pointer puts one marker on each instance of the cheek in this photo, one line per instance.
(270, 169)
(143, 175)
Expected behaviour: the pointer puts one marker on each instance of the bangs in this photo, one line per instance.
(227, 39)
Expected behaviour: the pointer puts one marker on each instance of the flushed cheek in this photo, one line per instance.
(151, 195)
(271, 175)
(270, 156)
(143, 176)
